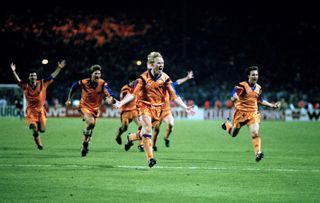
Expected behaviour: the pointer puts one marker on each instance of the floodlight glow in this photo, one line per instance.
(45, 61)
(138, 62)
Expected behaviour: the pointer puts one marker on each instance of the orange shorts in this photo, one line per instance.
(165, 113)
(241, 118)
(36, 116)
(128, 116)
(153, 111)
(90, 112)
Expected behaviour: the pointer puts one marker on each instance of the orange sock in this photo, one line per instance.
(148, 146)
(256, 142)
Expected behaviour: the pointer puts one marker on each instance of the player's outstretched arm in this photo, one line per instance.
(72, 90)
(128, 98)
(13, 68)
(110, 100)
(271, 105)
(188, 109)
(188, 77)
(61, 64)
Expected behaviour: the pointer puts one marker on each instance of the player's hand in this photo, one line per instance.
(117, 105)
(277, 105)
(68, 103)
(234, 98)
(190, 75)
(110, 100)
(190, 110)
(62, 64)
(13, 66)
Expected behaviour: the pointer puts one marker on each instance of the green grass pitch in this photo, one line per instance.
(203, 164)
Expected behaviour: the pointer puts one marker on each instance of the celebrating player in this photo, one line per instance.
(246, 97)
(35, 91)
(151, 87)
(128, 112)
(92, 91)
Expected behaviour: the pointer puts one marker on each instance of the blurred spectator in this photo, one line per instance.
(190, 102)
(284, 104)
(19, 106)
(310, 106)
(228, 104)
(207, 104)
(3, 102)
(301, 104)
(56, 103)
(218, 104)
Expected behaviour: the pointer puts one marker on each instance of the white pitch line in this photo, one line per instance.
(223, 168)
(157, 167)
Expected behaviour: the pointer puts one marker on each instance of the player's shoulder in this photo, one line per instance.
(165, 77)
(258, 86)
(143, 77)
(84, 81)
(125, 87)
(144, 74)
(242, 84)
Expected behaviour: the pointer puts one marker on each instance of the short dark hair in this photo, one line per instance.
(94, 68)
(251, 68)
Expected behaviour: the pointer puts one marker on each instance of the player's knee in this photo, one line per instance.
(87, 132)
(91, 125)
(33, 127)
(254, 134)
(148, 130)
(170, 127)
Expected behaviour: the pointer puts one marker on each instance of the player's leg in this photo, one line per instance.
(256, 141)
(32, 118)
(156, 130)
(146, 134)
(233, 128)
(36, 135)
(140, 145)
(170, 124)
(254, 125)
(90, 122)
(124, 127)
(41, 128)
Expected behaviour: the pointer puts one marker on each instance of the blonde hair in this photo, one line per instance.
(152, 56)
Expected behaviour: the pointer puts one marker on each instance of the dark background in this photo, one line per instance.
(218, 41)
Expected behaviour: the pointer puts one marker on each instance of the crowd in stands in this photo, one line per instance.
(217, 48)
